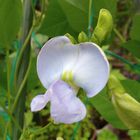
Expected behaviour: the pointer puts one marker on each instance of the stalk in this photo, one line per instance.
(18, 112)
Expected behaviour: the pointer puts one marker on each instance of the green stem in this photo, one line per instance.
(41, 130)
(8, 76)
(77, 126)
(5, 132)
(89, 12)
(90, 17)
(22, 69)
(21, 86)
(21, 52)
(133, 66)
(119, 35)
(8, 123)
(34, 132)
(118, 57)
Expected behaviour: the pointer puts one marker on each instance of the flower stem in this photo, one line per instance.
(21, 86)
(22, 69)
(22, 51)
(90, 17)
(125, 61)
(119, 35)
(8, 75)
(41, 130)
(5, 132)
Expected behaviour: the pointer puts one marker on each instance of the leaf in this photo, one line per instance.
(10, 19)
(104, 106)
(132, 87)
(133, 46)
(135, 30)
(55, 22)
(76, 12)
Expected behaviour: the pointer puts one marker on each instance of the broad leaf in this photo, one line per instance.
(132, 87)
(76, 12)
(55, 22)
(10, 19)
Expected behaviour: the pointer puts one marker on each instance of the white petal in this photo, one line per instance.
(86, 60)
(39, 102)
(92, 69)
(65, 106)
(56, 56)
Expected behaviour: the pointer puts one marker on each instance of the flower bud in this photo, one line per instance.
(82, 37)
(128, 109)
(103, 28)
(72, 39)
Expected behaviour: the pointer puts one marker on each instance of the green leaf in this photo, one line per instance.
(76, 12)
(10, 19)
(133, 46)
(132, 87)
(55, 22)
(135, 30)
(104, 106)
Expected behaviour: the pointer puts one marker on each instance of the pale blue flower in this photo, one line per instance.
(63, 68)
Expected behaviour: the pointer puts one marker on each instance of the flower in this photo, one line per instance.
(63, 68)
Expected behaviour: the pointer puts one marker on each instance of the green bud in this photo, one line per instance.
(128, 109)
(103, 28)
(82, 37)
(72, 39)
